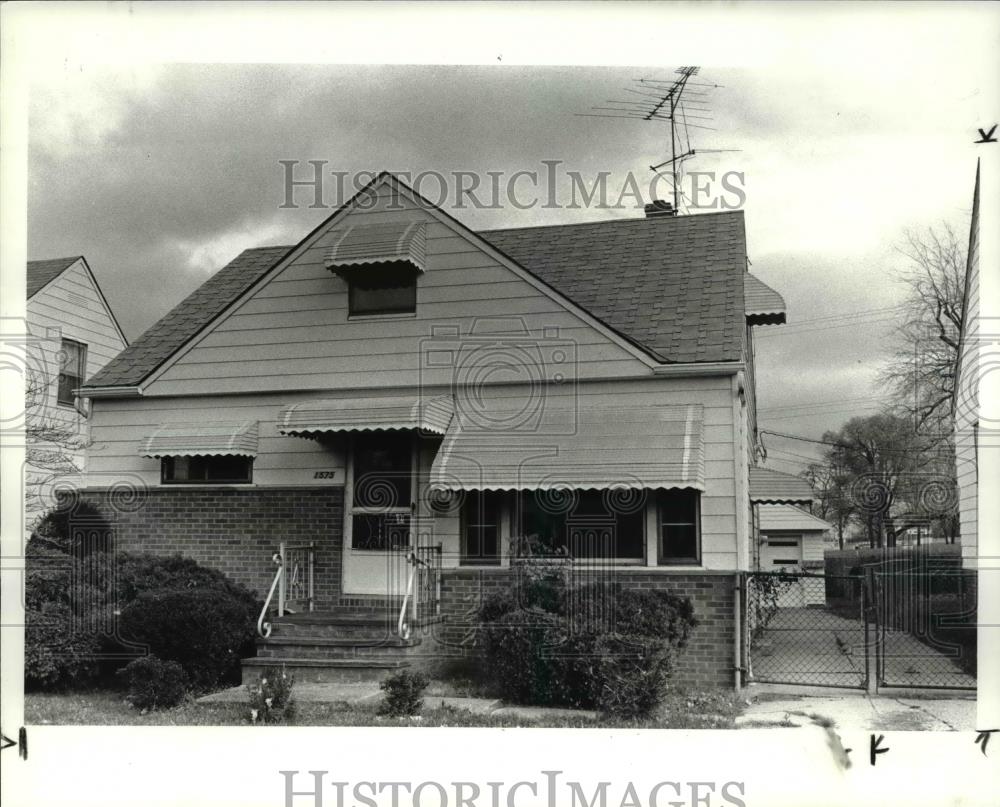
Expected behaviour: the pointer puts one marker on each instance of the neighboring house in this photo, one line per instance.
(73, 333)
(396, 387)
(965, 400)
(792, 539)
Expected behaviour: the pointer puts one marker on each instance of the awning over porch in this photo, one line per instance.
(774, 487)
(202, 440)
(583, 448)
(380, 413)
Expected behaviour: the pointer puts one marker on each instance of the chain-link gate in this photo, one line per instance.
(925, 620)
(897, 624)
(805, 628)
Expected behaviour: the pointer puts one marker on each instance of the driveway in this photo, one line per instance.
(810, 646)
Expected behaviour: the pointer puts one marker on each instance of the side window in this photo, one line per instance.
(72, 369)
(678, 517)
(481, 527)
(205, 470)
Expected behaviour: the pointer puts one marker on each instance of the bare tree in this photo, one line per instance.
(921, 372)
(832, 483)
(52, 440)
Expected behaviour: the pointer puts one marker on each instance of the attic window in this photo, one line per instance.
(382, 290)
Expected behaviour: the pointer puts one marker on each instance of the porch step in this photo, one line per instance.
(332, 648)
(325, 670)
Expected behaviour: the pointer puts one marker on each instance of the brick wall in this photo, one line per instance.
(234, 530)
(707, 661)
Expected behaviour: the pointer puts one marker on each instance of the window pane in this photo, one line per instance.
(384, 292)
(588, 528)
(679, 529)
(380, 531)
(382, 470)
(481, 527)
(207, 469)
(72, 359)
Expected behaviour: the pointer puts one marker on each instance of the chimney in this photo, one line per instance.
(658, 207)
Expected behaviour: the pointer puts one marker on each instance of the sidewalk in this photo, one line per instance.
(781, 707)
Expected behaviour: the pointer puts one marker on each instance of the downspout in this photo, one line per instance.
(738, 632)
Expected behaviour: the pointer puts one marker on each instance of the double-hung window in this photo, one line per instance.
(72, 368)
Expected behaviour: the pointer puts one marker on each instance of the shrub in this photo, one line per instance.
(519, 658)
(631, 674)
(57, 651)
(75, 527)
(403, 694)
(153, 683)
(202, 629)
(602, 646)
(271, 697)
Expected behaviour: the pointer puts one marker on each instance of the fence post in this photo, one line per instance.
(869, 604)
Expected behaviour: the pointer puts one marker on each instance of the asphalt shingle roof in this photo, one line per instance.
(41, 273)
(673, 285)
(186, 319)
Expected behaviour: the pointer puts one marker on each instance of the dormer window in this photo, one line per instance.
(380, 263)
(379, 290)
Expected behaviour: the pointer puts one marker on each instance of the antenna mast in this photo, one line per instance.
(681, 101)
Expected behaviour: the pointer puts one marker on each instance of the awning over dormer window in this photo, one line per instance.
(399, 243)
(236, 439)
(762, 304)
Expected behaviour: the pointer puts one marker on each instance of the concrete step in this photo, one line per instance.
(332, 648)
(325, 670)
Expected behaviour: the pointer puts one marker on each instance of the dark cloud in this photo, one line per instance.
(159, 180)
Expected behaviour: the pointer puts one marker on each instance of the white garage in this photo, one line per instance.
(793, 540)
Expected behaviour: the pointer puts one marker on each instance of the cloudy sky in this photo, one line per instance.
(162, 173)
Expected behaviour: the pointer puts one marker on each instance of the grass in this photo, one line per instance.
(680, 710)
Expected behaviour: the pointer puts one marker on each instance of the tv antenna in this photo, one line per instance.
(680, 101)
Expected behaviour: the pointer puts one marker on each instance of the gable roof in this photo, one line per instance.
(41, 273)
(673, 286)
(186, 319)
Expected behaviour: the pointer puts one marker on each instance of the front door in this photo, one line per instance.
(379, 501)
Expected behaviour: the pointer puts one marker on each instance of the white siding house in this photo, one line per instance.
(73, 335)
(396, 382)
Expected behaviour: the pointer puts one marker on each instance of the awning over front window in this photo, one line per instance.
(762, 304)
(633, 447)
(202, 440)
(775, 487)
(367, 414)
(363, 244)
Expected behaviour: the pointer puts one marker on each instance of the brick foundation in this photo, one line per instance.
(707, 661)
(235, 530)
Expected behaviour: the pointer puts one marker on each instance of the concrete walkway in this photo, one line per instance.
(369, 693)
(779, 707)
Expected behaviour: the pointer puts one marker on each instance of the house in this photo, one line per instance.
(385, 405)
(72, 334)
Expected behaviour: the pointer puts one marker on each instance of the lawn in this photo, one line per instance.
(681, 710)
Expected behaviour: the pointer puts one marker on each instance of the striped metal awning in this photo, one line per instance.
(762, 304)
(363, 244)
(381, 413)
(634, 447)
(774, 487)
(202, 440)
